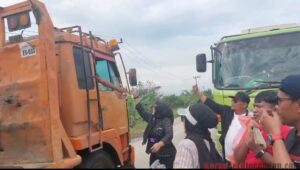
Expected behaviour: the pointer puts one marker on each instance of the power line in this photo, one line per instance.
(146, 59)
(155, 69)
(152, 69)
(146, 66)
(143, 60)
(146, 69)
(138, 62)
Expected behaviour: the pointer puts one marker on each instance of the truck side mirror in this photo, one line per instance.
(201, 62)
(132, 77)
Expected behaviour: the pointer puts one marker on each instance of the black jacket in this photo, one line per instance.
(226, 118)
(292, 144)
(162, 131)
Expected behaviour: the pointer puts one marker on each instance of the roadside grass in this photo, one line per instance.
(138, 130)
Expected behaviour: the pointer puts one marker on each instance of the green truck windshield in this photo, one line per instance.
(243, 64)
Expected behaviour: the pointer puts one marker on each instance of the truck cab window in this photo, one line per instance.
(114, 74)
(103, 72)
(78, 59)
(108, 71)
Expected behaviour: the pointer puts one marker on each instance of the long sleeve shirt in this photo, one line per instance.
(187, 155)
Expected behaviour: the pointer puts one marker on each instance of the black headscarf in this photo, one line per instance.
(205, 118)
(161, 111)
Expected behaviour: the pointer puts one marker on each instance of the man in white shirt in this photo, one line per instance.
(229, 118)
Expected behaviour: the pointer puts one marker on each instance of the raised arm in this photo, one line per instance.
(272, 124)
(139, 107)
(111, 85)
(143, 113)
(200, 95)
(217, 108)
(240, 152)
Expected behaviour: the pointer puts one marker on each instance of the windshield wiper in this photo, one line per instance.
(268, 82)
(264, 85)
(233, 85)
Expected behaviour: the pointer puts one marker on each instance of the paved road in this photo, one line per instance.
(142, 159)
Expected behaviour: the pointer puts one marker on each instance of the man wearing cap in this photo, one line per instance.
(286, 154)
(231, 126)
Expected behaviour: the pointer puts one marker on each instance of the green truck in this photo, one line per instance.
(255, 60)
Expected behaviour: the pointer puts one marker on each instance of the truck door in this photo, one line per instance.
(113, 105)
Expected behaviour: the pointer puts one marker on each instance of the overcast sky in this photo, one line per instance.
(162, 37)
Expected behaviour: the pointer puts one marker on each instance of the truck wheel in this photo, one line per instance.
(99, 159)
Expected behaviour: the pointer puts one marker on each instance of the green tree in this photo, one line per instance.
(185, 99)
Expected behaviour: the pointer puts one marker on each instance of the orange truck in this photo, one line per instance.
(62, 102)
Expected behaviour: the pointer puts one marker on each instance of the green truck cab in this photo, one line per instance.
(255, 60)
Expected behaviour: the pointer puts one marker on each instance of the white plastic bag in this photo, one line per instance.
(157, 165)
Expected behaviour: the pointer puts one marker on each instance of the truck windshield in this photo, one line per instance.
(243, 64)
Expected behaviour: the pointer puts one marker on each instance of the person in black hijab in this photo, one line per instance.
(159, 133)
(198, 150)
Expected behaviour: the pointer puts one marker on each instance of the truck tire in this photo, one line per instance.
(99, 159)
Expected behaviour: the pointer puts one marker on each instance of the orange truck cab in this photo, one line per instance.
(62, 102)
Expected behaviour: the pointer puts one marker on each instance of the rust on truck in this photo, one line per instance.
(56, 108)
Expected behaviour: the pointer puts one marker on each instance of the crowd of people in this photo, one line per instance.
(268, 137)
